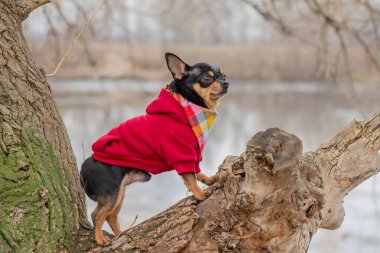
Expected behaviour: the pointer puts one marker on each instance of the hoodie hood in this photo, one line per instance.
(166, 104)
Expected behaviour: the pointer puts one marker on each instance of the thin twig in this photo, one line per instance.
(84, 152)
(74, 42)
(134, 221)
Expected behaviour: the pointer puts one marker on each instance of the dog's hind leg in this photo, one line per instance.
(104, 208)
(112, 218)
(132, 176)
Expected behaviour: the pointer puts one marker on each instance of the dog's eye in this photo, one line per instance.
(221, 78)
(207, 79)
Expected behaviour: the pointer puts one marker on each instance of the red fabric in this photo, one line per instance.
(159, 141)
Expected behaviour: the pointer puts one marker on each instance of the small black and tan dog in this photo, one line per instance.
(170, 136)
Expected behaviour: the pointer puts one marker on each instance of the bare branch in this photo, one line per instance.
(74, 42)
(269, 16)
(347, 160)
(27, 6)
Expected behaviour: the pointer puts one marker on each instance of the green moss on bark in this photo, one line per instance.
(35, 206)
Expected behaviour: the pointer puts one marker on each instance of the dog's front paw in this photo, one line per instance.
(205, 179)
(207, 192)
(102, 240)
(201, 195)
(210, 180)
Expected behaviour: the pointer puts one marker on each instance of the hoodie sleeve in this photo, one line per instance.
(179, 149)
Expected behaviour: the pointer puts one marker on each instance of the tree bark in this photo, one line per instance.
(42, 205)
(271, 198)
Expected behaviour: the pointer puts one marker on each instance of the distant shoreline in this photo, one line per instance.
(263, 62)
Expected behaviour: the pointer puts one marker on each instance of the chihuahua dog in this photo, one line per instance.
(171, 136)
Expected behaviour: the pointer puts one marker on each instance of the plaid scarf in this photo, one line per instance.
(200, 118)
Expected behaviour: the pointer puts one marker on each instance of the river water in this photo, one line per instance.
(312, 111)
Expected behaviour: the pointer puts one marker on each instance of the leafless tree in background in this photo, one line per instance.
(337, 40)
(344, 34)
(127, 26)
(341, 30)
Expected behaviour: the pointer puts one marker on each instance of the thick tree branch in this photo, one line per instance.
(347, 160)
(272, 198)
(27, 6)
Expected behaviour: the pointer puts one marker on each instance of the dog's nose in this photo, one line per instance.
(225, 84)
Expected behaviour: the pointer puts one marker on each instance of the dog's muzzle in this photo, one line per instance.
(225, 86)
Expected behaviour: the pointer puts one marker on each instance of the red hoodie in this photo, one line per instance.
(159, 141)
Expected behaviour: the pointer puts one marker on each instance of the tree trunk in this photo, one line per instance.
(272, 198)
(41, 202)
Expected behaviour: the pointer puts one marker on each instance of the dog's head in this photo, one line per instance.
(202, 83)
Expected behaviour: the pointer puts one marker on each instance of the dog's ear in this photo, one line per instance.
(177, 67)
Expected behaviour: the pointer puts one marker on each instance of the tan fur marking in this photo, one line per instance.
(205, 94)
(210, 73)
(126, 181)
